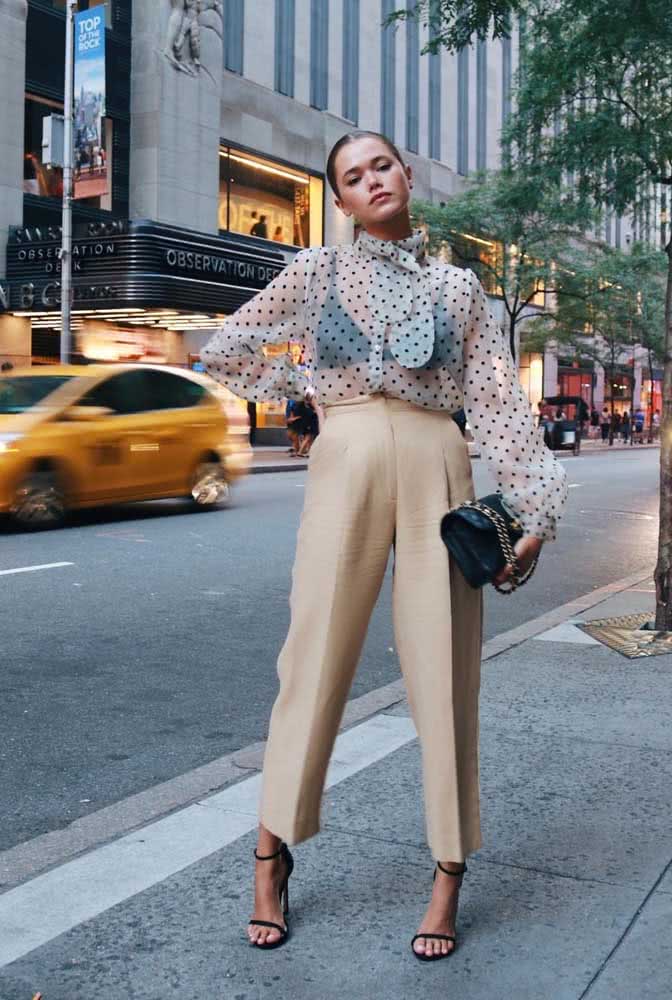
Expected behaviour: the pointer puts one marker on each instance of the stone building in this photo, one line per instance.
(208, 169)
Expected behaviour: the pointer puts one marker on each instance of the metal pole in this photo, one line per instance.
(66, 244)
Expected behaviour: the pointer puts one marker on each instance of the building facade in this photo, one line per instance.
(218, 122)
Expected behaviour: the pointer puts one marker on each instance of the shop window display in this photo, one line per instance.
(260, 197)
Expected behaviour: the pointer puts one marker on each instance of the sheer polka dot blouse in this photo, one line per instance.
(381, 316)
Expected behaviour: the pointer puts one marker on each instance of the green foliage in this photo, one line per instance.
(607, 302)
(455, 23)
(604, 70)
(527, 216)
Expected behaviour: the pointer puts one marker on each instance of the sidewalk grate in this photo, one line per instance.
(625, 635)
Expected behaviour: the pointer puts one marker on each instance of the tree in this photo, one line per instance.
(522, 223)
(607, 303)
(455, 22)
(602, 72)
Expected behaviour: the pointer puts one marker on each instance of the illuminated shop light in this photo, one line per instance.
(288, 175)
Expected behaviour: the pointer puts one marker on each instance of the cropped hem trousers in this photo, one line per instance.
(382, 474)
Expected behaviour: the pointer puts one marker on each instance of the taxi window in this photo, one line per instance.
(18, 393)
(140, 391)
(168, 391)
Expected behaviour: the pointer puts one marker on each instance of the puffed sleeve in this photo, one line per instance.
(532, 481)
(235, 354)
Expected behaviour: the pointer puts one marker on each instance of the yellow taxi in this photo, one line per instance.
(74, 436)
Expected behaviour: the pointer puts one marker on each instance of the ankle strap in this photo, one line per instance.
(269, 857)
(456, 874)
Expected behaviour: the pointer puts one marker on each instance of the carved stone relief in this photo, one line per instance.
(182, 46)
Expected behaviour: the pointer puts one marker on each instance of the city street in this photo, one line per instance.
(153, 650)
(140, 658)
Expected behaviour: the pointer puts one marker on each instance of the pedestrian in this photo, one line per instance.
(390, 364)
(260, 228)
(293, 423)
(278, 235)
(615, 425)
(655, 421)
(605, 424)
(252, 417)
(625, 426)
(638, 425)
(309, 427)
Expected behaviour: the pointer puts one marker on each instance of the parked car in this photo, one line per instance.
(83, 436)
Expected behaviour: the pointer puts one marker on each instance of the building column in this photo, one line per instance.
(550, 372)
(14, 332)
(176, 81)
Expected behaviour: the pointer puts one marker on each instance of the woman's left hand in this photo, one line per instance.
(526, 549)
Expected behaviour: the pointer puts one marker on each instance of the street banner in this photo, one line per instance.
(90, 164)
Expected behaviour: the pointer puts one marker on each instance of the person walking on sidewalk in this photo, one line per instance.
(605, 424)
(397, 342)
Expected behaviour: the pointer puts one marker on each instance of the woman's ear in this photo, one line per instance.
(339, 204)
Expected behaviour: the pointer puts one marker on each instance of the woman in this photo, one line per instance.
(397, 342)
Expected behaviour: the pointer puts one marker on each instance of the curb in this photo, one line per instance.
(256, 470)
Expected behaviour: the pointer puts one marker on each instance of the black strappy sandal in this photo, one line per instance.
(286, 855)
(439, 937)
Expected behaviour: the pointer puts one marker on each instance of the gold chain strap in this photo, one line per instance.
(516, 580)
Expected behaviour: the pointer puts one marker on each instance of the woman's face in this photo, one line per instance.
(372, 184)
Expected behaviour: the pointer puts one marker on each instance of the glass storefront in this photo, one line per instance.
(531, 375)
(268, 199)
(578, 382)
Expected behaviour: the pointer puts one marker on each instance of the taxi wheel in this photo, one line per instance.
(39, 501)
(210, 486)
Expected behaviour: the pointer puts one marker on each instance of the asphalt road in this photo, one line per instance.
(154, 651)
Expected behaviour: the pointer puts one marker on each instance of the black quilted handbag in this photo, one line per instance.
(480, 535)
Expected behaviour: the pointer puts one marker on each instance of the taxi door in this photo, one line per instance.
(117, 456)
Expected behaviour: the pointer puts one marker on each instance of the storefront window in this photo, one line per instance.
(267, 199)
(576, 383)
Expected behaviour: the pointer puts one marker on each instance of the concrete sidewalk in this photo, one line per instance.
(569, 898)
(265, 459)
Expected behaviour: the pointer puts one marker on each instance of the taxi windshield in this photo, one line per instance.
(19, 393)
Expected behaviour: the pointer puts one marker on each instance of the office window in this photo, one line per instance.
(506, 80)
(463, 111)
(319, 53)
(269, 199)
(387, 77)
(434, 99)
(412, 76)
(350, 109)
(481, 105)
(284, 46)
(234, 20)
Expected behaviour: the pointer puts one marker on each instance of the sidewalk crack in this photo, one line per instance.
(631, 924)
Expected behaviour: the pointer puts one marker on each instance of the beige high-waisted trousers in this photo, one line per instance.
(382, 474)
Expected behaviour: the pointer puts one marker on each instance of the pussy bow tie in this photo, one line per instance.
(399, 296)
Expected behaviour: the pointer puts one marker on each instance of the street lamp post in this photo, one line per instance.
(66, 239)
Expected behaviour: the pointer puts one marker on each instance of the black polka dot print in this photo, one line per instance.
(381, 316)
